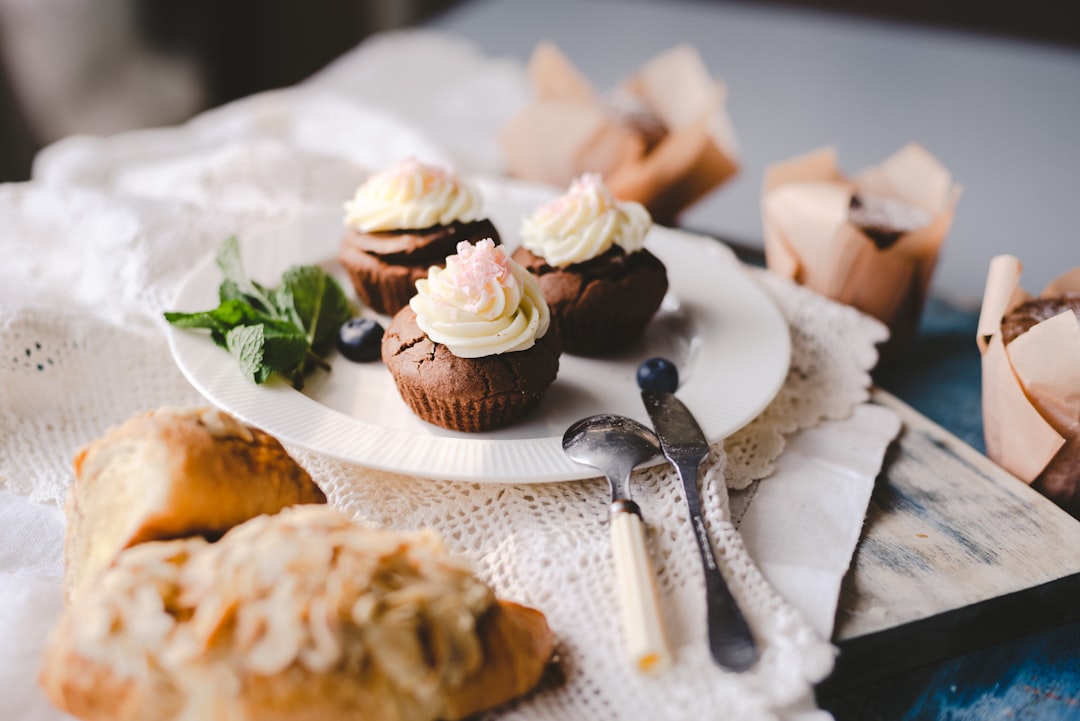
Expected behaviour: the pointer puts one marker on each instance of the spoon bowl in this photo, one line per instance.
(613, 444)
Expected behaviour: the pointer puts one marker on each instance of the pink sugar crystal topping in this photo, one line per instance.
(588, 184)
(588, 187)
(476, 269)
(429, 174)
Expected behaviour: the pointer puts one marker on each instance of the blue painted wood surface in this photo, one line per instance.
(1033, 677)
(1036, 677)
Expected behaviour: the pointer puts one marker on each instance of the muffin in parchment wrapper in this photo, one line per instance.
(870, 242)
(1031, 380)
(662, 138)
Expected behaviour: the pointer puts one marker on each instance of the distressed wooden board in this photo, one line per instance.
(956, 552)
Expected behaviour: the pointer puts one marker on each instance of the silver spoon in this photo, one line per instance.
(615, 445)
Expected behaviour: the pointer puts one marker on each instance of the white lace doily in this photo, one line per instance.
(89, 360)
(96, 249)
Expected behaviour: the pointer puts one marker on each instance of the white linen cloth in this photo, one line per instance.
(98, 244)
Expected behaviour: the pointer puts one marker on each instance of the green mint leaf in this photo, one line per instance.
(302, 289)
(247, 344)
(318, 302)
(265, 348)
(284, 302)
(228, 291)
(232, 267)
(272, 330)
(286, 348)
(230, 263)
(230, 313)
(220, 320)
(334, 310)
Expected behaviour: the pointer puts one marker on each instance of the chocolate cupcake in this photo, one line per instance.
(1060, 479)
(587, 253)
(473, 350)
(1027, 315)
(402, 221)
(870, 240)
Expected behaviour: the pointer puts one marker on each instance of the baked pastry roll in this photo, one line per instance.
(299, 615)
(172, 473)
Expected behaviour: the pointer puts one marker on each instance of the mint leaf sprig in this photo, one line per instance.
(287, 329)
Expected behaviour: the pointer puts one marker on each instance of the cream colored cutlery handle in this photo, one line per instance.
(643, 629)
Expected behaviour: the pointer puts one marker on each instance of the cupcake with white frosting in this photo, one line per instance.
(403, 220)
(587, 252)
(474, 349)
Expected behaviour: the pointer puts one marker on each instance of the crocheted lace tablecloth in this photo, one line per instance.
(98, 244)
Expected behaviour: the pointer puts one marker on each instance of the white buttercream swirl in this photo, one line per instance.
(412, 196)
(584, 223)
(482, 303)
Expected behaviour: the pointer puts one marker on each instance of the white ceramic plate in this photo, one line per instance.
(728, 339)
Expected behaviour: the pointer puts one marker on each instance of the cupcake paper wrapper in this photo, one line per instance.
(810, 238)
(1031, 389)
(567, 129)
(385, 289)
(469, 415)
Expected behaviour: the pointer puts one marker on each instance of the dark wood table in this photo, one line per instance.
(1004, 656)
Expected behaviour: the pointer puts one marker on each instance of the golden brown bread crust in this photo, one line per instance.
(301, 615)
(518, 645)
(172, 473)
(87, 689)
(517, 641)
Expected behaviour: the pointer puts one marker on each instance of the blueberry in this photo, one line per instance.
(658, 374)
(360, 339)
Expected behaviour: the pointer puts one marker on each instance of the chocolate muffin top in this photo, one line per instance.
(884, 220)
(1027, 315)
(601, 305)
(612, 265)
(428, 246)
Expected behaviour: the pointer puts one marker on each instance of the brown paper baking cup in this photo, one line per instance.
(383, 287)
(469, 416)
(1031, 386)
(472, 413)
(597, 313)
(568, 129)
(603, 333)
(811, 235)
